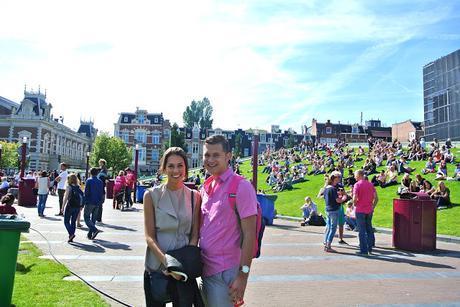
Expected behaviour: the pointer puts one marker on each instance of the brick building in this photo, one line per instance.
(407, 131)
(150, 131)
(50, 142)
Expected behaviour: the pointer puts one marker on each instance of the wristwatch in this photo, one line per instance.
(245, 269)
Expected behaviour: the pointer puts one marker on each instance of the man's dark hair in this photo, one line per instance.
(218, 139)
(93, 171)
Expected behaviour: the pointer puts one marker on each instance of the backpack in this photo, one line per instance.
(260, 222)
(75, 197)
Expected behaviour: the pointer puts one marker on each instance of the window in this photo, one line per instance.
(124, 135)
(141, 155)
(354, 129)
(140, 136)
(125, 119)
(194, 148)
(263, 137)
(156, 137)
(155, 120)
(328, 130)
(155, 154)
(195, 163)
(140, 118)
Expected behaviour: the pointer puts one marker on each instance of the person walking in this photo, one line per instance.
(103, 174)
(61, 180)
(365, 198)
(73, 200)
(43, 184)
(171, 221)
(227, 235)
(94, 198)
(333, 203)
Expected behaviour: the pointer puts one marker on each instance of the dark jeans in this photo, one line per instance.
(99, 212)
(61, 193)
(366, 232)
(70, 219)
(90, 214)
(128, 199)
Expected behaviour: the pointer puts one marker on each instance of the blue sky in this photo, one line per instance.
(259, 62)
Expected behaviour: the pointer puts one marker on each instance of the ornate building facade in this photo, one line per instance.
(49, 141)
(150, 131)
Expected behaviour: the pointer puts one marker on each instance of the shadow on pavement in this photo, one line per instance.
(49, 218)
(112, 245)
(87, 247)
(116, 227)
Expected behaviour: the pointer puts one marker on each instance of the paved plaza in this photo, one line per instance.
(292, 271)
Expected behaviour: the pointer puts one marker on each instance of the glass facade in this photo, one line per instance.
(441, 98)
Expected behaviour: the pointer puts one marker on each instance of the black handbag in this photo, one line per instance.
(159, 284)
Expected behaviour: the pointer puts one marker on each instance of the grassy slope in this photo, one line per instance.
(39, 282)
(289, 202)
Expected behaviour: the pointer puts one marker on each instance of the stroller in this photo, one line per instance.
(119, 201)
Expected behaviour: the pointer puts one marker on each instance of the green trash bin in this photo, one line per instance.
(11, 227)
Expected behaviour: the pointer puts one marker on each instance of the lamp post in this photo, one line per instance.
(87, 164)
(255, 159)
(21, 189)
(1, 148)
(136, 162)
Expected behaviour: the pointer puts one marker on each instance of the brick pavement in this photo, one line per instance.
(292, 271)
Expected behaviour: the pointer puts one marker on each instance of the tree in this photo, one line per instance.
(177, 138)
(9, 155)
(291, 142)
(113, 150)
(199, 112)
(238, 144)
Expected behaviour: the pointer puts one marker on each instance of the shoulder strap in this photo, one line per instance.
(232, 189)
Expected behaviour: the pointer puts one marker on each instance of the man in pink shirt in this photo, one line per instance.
(226, 243)
(365, 199)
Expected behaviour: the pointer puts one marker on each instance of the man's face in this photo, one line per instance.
(215, 159)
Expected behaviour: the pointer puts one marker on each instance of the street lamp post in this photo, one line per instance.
(255, 159)
(136, 163)
(87, 164)
(1, 148)
(21, 188)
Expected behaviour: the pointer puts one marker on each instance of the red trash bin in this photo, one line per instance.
(26, 196)
(109, 188)
(414, 223)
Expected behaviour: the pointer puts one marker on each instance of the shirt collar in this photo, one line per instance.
(222, 178)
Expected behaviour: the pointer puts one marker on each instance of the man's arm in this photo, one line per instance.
(248, 228)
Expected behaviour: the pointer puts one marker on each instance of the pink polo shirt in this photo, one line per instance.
(220, 232)
(364, 191)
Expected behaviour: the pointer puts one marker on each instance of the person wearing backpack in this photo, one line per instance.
(94, 198)
(229, 223)
(73, 201)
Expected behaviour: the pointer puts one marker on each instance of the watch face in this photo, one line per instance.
(245, 269)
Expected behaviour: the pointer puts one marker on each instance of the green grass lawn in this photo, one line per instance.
(39, 282)
(289, 202)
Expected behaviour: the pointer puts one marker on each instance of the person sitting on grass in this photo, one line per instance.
(402, 168)
(392, 177)
(430, 166)
(442, 196)
(405, 184)
(6, 206)
(414, 187)
(419, 180)
(379, 180)
(456, 176)
(350, 216)
(427, 188)
(442, 171)
(309, 209)
(350, 180)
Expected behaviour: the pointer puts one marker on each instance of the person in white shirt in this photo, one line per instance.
(61, 186)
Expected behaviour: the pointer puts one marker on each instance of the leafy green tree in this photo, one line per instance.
(113, 150)
(238, 145)
(291, 142)
(199, 112)
(9, 155)
(177, 138)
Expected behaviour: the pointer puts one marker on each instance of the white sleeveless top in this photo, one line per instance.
(43, 185)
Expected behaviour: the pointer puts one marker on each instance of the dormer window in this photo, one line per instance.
(125, 119)
(328, 130)
(140, 118)
(155, 120)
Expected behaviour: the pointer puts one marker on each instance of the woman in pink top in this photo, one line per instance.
(119, 186)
